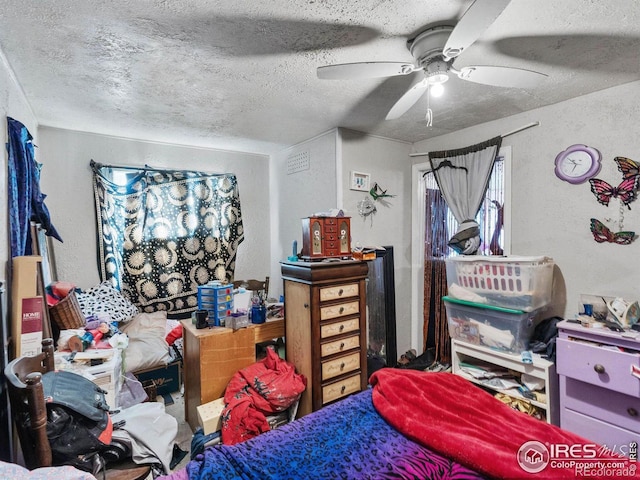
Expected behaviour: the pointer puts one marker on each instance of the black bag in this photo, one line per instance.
(79, 426)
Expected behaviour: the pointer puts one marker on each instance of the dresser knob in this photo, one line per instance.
(340, 292)
(341, 310)
(341, 345)
(342, 327)
(343, 389)
(306, 305)
(342, 366)
(632, 412)
(598, 368)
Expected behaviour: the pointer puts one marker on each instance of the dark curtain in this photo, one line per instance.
(435, 327)
(25, 200)
(165, 233)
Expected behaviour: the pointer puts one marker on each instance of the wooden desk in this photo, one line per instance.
(213, 355)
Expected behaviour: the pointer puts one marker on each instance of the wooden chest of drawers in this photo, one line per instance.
(599, 384)
(325, 307)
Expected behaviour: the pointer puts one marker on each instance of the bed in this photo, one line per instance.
(410, 424)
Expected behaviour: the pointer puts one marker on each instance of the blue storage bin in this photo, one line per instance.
(217, 300)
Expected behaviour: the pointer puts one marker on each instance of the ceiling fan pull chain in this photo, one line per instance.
(429, 116)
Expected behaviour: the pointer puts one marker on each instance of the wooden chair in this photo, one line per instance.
(253, 285)
(26, 396)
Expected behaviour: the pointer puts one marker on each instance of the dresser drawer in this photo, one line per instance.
(340, 366)
(604, 367)
(598, 431)
(338, 346)
(340, 310)
(333, 329)
(340, 291)
(331, 245)
(340, 389)
(331, 236)
(611, 407)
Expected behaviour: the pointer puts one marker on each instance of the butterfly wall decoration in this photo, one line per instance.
(628, 167)
(626, 191)
(601, 233)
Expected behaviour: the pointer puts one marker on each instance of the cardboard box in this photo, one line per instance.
(30, 342)
(209, 415)
(167, 379)
(24, 286)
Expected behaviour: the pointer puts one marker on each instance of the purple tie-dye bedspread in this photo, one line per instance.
(346, 440)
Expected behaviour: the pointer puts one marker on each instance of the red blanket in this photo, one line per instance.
(455, 418)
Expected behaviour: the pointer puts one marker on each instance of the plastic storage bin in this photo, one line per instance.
(217, 299)
(521, 283)
(495, 327)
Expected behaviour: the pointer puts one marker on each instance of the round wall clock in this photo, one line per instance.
(577, 164)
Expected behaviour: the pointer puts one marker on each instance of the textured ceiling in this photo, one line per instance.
(241, 75)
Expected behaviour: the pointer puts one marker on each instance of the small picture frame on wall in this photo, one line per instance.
(360, 181)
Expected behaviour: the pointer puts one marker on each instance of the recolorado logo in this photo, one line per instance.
(586, 460)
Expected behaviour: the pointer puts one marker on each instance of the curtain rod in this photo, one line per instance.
(517, 130)
(123, 167)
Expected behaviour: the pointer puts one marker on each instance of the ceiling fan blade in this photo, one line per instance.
(347, 71)
(478, 17)
(501, 76)
(407, 100)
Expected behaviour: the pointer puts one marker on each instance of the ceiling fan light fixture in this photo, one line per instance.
(436, 90)
(436, 83)
(437, 79)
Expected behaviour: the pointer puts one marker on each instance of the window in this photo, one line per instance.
(490, 217)
(162, 233)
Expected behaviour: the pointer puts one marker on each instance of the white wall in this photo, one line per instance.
(552, 217)
(326, 185)
(67, 181)
(298, 195)
(388, 163)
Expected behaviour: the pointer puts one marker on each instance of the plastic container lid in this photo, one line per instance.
(483, 305)
(501, 259)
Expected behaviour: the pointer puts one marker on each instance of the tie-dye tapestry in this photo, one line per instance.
(162, 233)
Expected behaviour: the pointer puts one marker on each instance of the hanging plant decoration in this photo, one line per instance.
(601, 233)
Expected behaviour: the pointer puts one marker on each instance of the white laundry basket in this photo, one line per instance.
(522, 283)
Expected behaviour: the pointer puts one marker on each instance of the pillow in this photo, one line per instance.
(147, 345)
(106, 299)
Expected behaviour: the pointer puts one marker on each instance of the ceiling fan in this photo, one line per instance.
(434, 51)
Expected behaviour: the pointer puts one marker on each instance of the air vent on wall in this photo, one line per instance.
(297, 162)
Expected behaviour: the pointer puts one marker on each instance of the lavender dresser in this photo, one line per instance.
(599, 383)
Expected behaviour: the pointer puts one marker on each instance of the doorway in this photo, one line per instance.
(496, 211)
